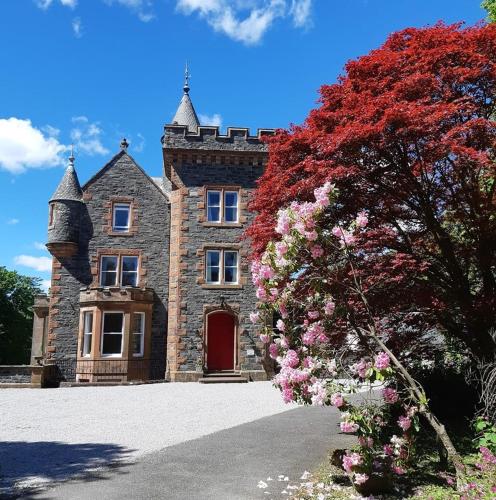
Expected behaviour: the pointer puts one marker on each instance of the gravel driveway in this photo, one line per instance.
(55, 434)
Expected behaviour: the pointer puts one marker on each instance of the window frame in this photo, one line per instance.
(122, 257)
(102, 335)
(223, 191)
(117, 273)
(142, 314)
(222, 266)
(115, 207)
(85, 334)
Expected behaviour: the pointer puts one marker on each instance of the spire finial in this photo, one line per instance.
(124, 144)
(187, 76)
(71, 157)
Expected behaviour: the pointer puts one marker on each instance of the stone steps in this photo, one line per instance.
(222, 378)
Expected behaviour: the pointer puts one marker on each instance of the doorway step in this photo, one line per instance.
(222, 378)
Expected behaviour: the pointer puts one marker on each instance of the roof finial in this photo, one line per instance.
(124, 144)
(187, 76)
(71, 157)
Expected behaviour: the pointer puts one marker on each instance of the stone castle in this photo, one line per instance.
(150, 276)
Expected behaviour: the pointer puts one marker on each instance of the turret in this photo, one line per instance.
(186, 114)
(65, 214)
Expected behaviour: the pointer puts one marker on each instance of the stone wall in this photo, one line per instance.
(15, 374)
(150, 237)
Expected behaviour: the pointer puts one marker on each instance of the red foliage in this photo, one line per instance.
(407, 134)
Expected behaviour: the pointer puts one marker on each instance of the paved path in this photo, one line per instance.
(225, 465)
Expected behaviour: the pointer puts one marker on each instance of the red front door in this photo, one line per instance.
(220, 341)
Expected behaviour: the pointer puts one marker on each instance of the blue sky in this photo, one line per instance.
(89, 72)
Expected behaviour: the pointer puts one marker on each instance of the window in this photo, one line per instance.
(112, 333)
(129, 275)
(222, 206)
(138, 333)
(213, 206)
(51, 215)
(87, 333)
(230, 267)
(231, 206)
(121, 217)
(108, 275)
(213, 266)
(222, 267)
(112, 268)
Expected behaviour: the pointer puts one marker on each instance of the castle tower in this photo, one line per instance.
(65, 208)
(186, 114)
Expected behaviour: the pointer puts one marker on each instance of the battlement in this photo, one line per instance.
(236, 139)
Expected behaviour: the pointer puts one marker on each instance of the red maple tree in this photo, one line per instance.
(408, 135)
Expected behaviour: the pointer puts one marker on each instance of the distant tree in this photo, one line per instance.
(17, 294)
(490, 6)
(407, 135)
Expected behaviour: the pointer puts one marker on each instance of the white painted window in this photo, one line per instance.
(222, 267)
(112, 334)
(230, 206)
(108, 273)
(129, 271)
(230, 267)
(121, 217)
(87, 333)
(138, 334)
(213, 206)
(213, 266)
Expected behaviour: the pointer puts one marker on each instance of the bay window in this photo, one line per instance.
(87, 333)
(112, 333)
(138, 334)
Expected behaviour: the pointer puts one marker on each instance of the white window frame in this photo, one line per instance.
(222, 205)
(104, 313)
(86, 334)
(117, 275)
(122, 257)
(225, 206)
(115, 208)
(207, 267)
(141, 333)
(219, 191)
(222, 266)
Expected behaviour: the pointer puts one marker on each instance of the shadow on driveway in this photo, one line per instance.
(27, 466)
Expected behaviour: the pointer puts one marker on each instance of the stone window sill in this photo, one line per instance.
(222, 224)
(118, 233)
(209, 286)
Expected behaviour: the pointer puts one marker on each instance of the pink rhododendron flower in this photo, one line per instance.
(398, 470)
(273, 351)
(404, 423)
(366, 442)
(291, 359)
(287, 395)
(382, 361)
(254, 317)
(281, 248)
(261, 293)
(283, 222)
(362, 220)
(390, 395)
(361, 368)
(487, 456)
(316, 251)
(337, 400)
(283, 310)
(311, 235)
(351, 460)
(346, 238)
(322, 195)
(411, 411)
(329, 307)
(266, 272)
(348, 427)
(388, 450)
(300, 227)
(283, 340)
(360, 478)
(313, 314)
(274, 292)
(264, 338)
(280, 325)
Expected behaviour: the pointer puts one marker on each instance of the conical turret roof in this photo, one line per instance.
(69, 187)
(186, 114)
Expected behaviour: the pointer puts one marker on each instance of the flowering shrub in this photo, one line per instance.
(295, 278)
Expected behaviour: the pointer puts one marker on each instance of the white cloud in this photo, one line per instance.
(77, 27)
(51, 131)
(87, 136)
(247, 21)
(141, 144)
(142, 8)
(214, 120)
(45, 4)
(42, 264)
(45, 285)
(39, 246)
(23, 146)
(13, 222)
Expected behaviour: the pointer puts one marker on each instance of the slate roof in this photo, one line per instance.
(186, 114)
(69, 187)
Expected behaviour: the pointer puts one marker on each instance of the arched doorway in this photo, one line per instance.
(220, 345)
